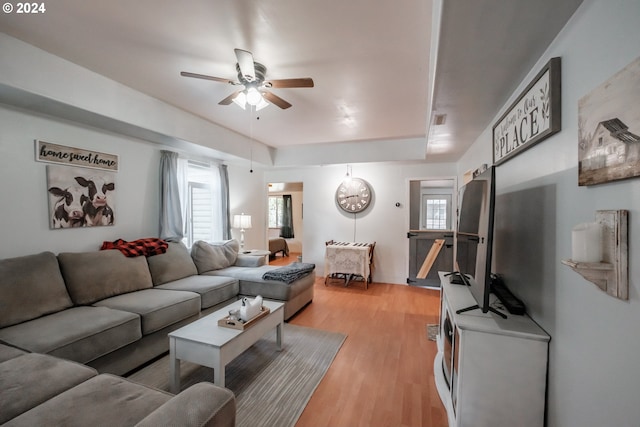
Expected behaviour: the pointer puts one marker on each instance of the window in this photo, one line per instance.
(201, 200)
(276, 207)
(436, 212)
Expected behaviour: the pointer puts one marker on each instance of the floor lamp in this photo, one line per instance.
(242, 222)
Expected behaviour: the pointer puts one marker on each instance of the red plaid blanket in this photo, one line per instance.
(147, 247)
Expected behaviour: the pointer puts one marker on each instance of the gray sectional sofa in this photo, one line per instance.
(223, 260)
(38, 390)
(112, 313)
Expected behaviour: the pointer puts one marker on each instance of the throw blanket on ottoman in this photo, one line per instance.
(289, 273)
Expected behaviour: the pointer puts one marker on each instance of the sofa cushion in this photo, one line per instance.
(212, 289)
(214, 256)
(7, 352)
(203, 404)
(252, 283)
(250, 260)
(156, 307)
(29, 380)
(93, 276)
(100, 401)
(81, 334)
(175, 264)
(31, 286)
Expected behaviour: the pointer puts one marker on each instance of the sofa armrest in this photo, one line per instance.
(202, 404)
(249, 261)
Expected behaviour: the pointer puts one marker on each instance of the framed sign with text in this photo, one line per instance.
(71, 156)
(534, 116)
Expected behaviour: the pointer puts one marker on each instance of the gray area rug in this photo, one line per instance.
(432, 331)
(272, 387)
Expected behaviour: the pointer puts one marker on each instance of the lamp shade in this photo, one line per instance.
(242, 221)
(241, 100)
(253, 96)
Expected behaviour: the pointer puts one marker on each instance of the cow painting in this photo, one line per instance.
(97, 210)
(68, 211)
(80, 197)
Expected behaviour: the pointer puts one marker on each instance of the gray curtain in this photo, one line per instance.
(171, 226)
(224, 191)
(286, 230)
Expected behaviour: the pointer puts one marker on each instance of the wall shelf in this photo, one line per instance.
(612, 274)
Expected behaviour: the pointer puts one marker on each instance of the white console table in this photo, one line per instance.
(496, 367)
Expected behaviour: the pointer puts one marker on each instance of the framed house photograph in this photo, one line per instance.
(609, 129)
(80, 197)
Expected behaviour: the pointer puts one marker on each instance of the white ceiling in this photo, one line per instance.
(370, 61)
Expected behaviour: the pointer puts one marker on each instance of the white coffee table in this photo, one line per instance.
(207, 344)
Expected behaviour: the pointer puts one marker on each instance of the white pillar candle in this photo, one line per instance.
(586, 242)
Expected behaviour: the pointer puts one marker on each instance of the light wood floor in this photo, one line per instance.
(383, 374)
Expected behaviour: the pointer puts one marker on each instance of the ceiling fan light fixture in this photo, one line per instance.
(253, 96)
(251, 75)
(241, 100)
(263, 103)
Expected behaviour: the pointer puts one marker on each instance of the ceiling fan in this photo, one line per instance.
(251, 75)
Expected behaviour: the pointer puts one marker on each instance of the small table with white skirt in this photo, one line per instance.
(348, 259)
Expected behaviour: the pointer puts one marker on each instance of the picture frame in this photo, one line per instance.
(72, 156)
(609, 129)
(533, 117)
(80, 197)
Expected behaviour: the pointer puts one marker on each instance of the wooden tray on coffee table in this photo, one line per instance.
(226, 321)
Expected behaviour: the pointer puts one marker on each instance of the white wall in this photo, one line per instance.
(38, 80)
(594, 379)
(248, 194)
(24, 210)
(66, 90)
(593, 375)
(383, 222)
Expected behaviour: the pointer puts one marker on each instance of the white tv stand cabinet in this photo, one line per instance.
(492, 371)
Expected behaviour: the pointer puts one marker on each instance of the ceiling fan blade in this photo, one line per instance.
(290, 83)
(229, 99)
(245, 62)
(202, 76)
(275, 99)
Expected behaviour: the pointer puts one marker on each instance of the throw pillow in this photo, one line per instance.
(175, 264)
(214, 256)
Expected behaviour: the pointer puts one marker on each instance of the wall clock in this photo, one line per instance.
(354, 195)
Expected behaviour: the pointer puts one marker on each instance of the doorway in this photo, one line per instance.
(284, 220)
(432, 216)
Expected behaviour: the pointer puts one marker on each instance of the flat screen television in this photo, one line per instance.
(474, 238)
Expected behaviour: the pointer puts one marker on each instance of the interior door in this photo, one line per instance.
(431, 216)
(420, 243)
